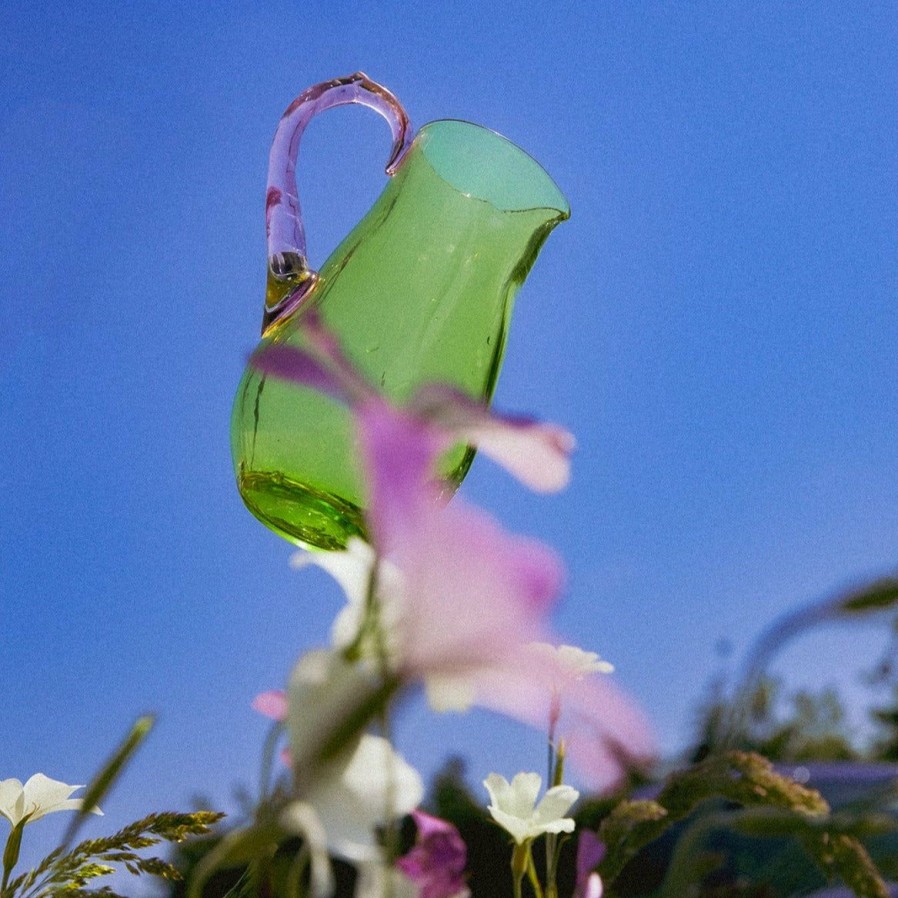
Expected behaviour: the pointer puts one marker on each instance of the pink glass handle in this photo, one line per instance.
(289, 275)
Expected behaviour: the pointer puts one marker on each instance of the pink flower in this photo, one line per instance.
(472, 592)
(537, 454)
(436, 863)
(472, 596)
(271, 704)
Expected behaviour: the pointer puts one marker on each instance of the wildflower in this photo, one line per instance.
(369, 786)
(538, 454)
(513, 806)
(436, 862)
(459, 599)
(39, 796)
(271, 704)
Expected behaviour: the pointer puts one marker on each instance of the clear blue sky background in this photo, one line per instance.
(717, 323)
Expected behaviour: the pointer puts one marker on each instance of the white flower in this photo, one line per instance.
(364, 789)
(39, 796)
(513, 806)
(324, 690)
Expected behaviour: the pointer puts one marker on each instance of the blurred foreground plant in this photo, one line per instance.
(441, 598)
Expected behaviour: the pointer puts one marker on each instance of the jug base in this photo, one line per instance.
(307, 517)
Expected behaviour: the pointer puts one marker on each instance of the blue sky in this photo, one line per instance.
(716, 323)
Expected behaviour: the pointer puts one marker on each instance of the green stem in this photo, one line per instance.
(534, 879)
(551, 862)
(392, 836)
(520, 861)
(11, 853)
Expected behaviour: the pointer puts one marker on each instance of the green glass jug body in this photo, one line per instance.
(420, 291)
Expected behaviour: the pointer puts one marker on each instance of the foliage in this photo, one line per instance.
(71, 872)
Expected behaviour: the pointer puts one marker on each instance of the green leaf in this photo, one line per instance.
(110, 772)
(11, 853)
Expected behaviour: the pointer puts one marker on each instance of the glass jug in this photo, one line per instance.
(420, 291)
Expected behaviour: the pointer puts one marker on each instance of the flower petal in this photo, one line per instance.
(437, 860)
(12, 800)
(271, 704)
(300, 817)
(367, 789)
(43, 795)
(521, 798)
(604, 731)
(590, 850)
(473, 593)
(537, 454)
(324, 691)
(556, 803)
(351, 568)
(299, 367)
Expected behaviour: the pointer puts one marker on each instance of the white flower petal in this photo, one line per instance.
(556, 803)
(521, 797)
(12, 800)
(513, 806)
(39, 796)
(350, 568)
(520, 830)
(300, 817)
(323, 690)
(377, 880)
(361, 793)
(593, 887)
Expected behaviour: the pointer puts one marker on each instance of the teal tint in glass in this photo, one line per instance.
(420, 291)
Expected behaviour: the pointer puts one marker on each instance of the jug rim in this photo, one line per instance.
(507, 195)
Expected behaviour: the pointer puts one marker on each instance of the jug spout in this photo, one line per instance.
(486, 166)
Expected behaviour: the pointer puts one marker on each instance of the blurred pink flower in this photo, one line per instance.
(436, 862)
(537, 454)
(472, 593)
(271, 704)
(473, 596)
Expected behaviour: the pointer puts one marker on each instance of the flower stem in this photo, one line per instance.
(534, 879)
(521, 860)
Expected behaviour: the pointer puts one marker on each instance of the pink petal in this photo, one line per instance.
(473, 593)
(398, 453)
(604, 731)
(437, 860)
(325, 368)
(590, 850)
(298, 366)
(537, 454)
(271, 704)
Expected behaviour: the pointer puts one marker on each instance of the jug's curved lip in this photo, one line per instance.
(472, 182)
